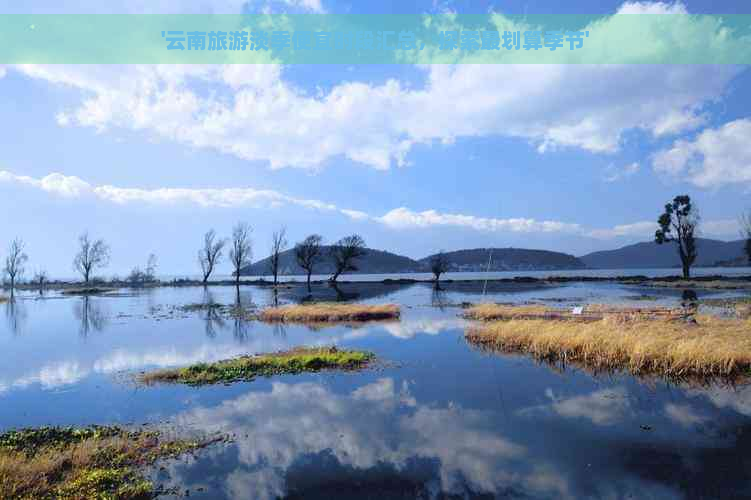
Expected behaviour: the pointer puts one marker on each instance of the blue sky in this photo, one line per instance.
(416, 159)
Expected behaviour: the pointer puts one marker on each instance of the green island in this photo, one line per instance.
(266, 365)
(97, 462)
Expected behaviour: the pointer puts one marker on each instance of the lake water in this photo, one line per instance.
(593, 273)
(436, 419)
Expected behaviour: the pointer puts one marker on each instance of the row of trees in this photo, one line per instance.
(309, 253)
(678, 224)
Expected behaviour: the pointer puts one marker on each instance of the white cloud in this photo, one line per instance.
(379, 423)
(613, 173)
(401, 218)
(74, 187)
(604, 407)
(684, 415)
(252, 113)
(652, 8)
(716, 157)
(404, 218)
(638, 229)
(723, 227)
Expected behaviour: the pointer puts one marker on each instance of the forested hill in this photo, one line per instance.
(508, 259)
(650, 255)
(373, 262)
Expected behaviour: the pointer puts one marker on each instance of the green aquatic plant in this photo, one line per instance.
(82, 463)
(266, 365)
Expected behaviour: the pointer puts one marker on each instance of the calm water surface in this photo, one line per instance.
(438, 419)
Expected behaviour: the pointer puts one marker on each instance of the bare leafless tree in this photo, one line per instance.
(278, 245)
(91, 255)
(14, 262)
(211, 254)
(41, 278)
(241, 252)
(344, 253)
(308, 253)
(439, 264)
(147, 275)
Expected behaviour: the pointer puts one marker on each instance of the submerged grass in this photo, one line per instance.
(82, 463)
(711, 347)
(266, 365)
(327, 312)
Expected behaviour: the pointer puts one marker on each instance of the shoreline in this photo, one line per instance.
(674, 281)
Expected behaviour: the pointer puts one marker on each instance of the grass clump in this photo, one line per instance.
(326, 312)
(708, 347)
(266, 365)
(82, 463)
(591, 312)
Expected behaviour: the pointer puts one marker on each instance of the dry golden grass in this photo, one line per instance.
(327, 312)
(591, 312)
(713, 347)
(743, 310)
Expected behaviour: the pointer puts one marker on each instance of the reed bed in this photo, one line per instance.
(591, 312)
(82, 463)
(249, 367)
(327, 312)
(708, 347)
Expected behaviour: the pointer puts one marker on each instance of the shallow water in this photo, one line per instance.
(436, 419)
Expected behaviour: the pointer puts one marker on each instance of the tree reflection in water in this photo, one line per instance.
(90, 315)
(15, 315)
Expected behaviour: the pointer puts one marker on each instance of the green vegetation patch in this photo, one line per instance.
(266, 365)
(82, 463)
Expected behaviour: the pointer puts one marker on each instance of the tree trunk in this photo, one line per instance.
(335, 276)
(686, 271)
(309, 282)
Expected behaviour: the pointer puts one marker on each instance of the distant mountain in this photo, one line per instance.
(650, 254)
(373, 262)
(508, 259)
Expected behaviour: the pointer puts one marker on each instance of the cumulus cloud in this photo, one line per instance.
(376, 424)
(716, 157)
(251, 112)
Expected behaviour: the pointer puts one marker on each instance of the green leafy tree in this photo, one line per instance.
(678, 224)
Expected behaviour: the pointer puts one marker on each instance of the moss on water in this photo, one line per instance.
(82, 463)
(266, 365)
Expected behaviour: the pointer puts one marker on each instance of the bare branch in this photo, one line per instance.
(308, 253)
(91, 255)
(278, 245)
(345, 252)
(211, 254)
(14, 262)
(241, 252)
